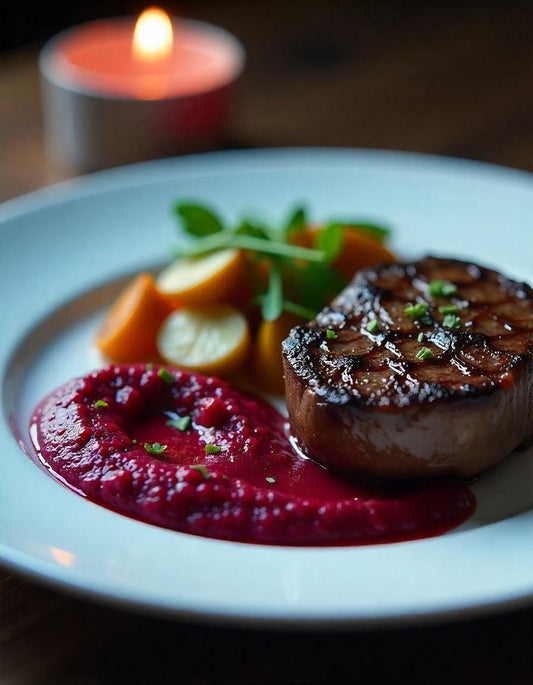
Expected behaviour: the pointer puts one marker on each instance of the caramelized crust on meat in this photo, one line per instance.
(366, 377)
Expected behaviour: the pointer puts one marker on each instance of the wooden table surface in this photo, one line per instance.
(456, 80)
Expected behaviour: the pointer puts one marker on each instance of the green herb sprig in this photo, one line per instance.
(301, 279)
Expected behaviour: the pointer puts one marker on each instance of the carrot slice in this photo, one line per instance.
(129, 331)
(360, 250)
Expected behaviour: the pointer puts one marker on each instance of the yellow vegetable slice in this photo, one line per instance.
(267, 362)
(212, 340)
(210, 279)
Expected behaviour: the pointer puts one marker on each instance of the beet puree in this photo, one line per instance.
(249, 484)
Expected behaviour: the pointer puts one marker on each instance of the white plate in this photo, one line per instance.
(63, 250)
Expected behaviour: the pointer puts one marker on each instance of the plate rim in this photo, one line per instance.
(87, 184)
(280, 623)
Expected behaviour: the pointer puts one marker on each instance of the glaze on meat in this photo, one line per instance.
(359, 399)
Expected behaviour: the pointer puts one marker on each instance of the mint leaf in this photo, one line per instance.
(296, 222)
(312, 285)
(198, 220)
(329, 241)
(301, 279)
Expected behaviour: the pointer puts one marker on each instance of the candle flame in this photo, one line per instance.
(153, 38)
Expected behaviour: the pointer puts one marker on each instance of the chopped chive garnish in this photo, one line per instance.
(166, 376)
(372, 326)
(451, 321)
(270, 480)
(134, 441)
(420, 337)
(155, 448)
(202, 468)
(100, 404)
(435, 288)
(423, 354)
(182, 423)
(449, 309)
(416, 311)
(439, 288)
(212, 449)
(149, 366)
(330, 335)
(449, 289)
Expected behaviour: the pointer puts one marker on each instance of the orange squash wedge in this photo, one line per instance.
(358, 250)
(129, 331)
(267, 364)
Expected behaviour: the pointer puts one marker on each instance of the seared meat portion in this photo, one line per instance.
(427, 370)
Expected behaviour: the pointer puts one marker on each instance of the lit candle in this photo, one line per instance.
(119, 90)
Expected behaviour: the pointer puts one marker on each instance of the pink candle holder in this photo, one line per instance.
(104, 105)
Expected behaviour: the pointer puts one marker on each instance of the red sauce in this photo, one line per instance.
(253, 486)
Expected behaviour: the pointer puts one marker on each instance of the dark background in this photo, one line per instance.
(452, 78)
(26, 21)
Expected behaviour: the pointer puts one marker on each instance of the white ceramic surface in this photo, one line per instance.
(63, 251)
